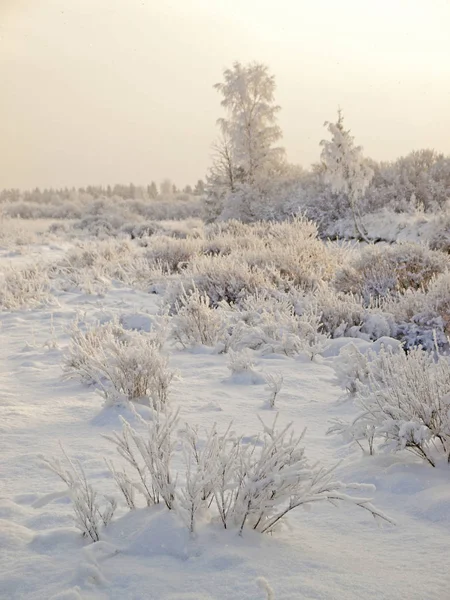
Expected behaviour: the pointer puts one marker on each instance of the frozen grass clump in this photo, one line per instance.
(226, 278)
(274, 383)
(105, 255)
(126, 365)
(91, 513)
(25, 287)
(292, 249)
(240, 362)
(92, 265)
(12, 232)
(195, 322)
(289, 251)
(175, 254)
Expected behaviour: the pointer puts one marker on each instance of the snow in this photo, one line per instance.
(322, 554)
(391, 226)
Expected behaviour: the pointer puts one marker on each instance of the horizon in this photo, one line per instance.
(98, 94)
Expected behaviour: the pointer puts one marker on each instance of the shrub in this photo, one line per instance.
(268, 322)
(380, 271)
(90, 514)
(440, 235)
(150, 458)
(438, 299)
(405, 400)
(195, 322)
(225, 278)
(12, 231)
(240, 362)
(352, 367)
(90, 266)
(125, 364)
(24, 287)
(293, 250)
(252, 485)
(174, 254)
(340, 314)
(423, 317)
(241, 484)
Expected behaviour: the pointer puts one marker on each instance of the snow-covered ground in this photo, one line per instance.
(389, 226)
(327, 553)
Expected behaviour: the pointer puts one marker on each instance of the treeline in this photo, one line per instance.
(152, 191)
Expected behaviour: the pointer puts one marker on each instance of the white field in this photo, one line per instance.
(322, 554)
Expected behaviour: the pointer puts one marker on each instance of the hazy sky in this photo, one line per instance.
(105, 91)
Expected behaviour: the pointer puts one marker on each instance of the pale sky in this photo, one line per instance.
(109, 91)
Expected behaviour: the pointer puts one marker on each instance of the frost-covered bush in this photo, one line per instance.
(104, 217)
(405, 401)
(378, 324)
(381, 270)
(140, 230)
(224, 278)
(91, 514)
(352, 367)
(195, 322)
(270, 322)
(150, 458)
(438, 299)
(225, 243)
(293, 251)
(340, 314)
(125, 364)
(92, 253)
(251, 482)
(91, 266)
(24, 287)
(100, 226)
(289, 252)
(439, 238)
(12, 232)
(57, 209)
(173, 253)
(182, 229)
(107, 256)
(240, 362)
(423, 317)
(256, 485)
(240, 484)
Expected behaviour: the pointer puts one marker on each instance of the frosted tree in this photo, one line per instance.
(345, 169)
(251, 123)
(166, 187)
(222, 177)
(152, 190)
(199, 188)
(223, 171)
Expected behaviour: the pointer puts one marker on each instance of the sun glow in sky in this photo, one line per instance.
(105, 91)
